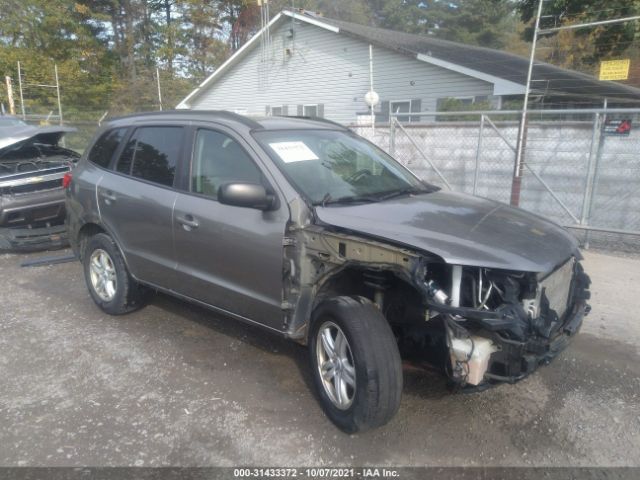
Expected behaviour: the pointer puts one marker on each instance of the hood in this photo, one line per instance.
(461, 229)
(15, 137)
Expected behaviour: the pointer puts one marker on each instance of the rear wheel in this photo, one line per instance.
(108, 280)
(356, 363)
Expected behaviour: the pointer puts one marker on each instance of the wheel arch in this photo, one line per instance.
(92, 228)
(388, 288)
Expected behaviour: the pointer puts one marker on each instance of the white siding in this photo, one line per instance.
(330, 69)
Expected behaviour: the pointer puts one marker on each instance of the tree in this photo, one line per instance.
(39, 34)
(357, 11)
(203, 39)
(477, 22)
(600, 42)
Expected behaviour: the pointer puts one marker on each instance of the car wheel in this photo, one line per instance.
(110, 284)
(356, 364)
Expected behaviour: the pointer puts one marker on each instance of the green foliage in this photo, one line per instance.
(39, 34)
(357, 11)
(108, 52)
(600, 42)
(477, 22)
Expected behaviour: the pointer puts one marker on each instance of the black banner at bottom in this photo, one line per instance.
(271, 473)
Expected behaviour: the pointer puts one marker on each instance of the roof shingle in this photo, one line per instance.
(547, 79)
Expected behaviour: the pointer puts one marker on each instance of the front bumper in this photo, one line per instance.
(515, 360)
(33, 221)
(32, 239)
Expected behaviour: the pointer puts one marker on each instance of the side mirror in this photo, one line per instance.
(249, 195)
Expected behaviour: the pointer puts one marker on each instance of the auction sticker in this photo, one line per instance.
(291, 152)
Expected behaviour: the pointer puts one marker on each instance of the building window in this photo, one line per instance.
(401, 106)
(277, 111)
(310, 110)
(460, 103)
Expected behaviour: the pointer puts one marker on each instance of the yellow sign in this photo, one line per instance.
(614, 70)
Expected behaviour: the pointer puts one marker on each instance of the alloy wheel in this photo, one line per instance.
(335, 365)
(102, 273)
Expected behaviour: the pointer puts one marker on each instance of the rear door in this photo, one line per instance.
(229, 257)
(136, 201)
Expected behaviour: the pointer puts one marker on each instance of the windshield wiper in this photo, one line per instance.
(402, 191)
(327, 199)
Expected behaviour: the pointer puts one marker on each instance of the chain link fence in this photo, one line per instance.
(581, 168)
(578, 169)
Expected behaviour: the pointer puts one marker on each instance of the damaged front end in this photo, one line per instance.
(500, 325)
(32, 203)
(480, 326)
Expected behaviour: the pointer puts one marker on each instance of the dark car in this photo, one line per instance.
(32, 168)
(304, 228)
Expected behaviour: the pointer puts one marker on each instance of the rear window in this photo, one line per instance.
(105, 147)
(11, 122)
(152, 154)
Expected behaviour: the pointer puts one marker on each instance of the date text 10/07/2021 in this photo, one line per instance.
(369, 472)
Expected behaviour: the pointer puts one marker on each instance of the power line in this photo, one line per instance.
(587, 25)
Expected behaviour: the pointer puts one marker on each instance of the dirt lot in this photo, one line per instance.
(175, 385)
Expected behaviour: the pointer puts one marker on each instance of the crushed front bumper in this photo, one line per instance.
(32, 239)
(515, 360)
(33, 221)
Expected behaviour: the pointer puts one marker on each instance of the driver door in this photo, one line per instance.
(227, 256)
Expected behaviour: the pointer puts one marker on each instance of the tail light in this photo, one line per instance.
(66, 180)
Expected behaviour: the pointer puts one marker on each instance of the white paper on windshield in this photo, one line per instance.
(291, 152)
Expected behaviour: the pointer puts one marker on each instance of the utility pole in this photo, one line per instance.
(20, 89)
(516, 183)
(55, 69)
(12, 107)
(373, 115)
(159, 91)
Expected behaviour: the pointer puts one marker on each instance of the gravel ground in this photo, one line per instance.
(176, 385)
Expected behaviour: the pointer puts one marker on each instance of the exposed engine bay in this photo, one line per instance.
(32, 167)
(479, 326)
(500, 325)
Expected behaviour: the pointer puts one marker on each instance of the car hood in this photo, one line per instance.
(13, 137)
(461, 229)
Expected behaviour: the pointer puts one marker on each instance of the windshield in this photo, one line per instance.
(331, 166)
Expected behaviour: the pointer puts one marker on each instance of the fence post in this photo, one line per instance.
(588, 183)
(392, 135)
(478, 153)
(596, 175)
(518, 170)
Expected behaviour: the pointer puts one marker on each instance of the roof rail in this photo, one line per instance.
(222, 114)
(317, 119)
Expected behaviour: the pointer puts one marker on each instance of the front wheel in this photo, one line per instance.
(356, 364)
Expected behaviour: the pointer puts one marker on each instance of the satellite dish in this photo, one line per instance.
(372, 98)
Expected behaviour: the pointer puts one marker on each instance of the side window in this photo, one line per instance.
(219, 159)
(152, 154)
(126, 157)
(105, 147)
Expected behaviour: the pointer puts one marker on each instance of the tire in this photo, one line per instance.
(121, 293)
(371, 352)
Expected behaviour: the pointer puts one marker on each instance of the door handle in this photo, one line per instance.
(188, 222)
(108, 196)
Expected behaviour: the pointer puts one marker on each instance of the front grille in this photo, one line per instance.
(556, 287)
(36, 187)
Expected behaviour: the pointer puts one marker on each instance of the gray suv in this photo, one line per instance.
(303, 228)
